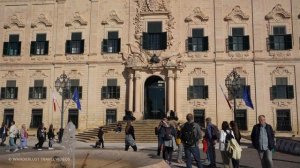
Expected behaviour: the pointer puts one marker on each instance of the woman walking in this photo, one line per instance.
(237, 135)
(24, 137)
(169, 133)
(129, 137)
(179, 144)
(225, 134)
(51, 136)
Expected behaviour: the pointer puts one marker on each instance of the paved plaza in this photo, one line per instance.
(249, 155)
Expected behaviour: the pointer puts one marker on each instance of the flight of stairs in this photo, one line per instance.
(144, 132)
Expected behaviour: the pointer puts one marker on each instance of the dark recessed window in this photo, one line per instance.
(280, 40)
(283, 120)
(198, 90)
(13, 47)
(199, 117)
(73, 116)
(76, 44)
(8, 116)
(40, 46)
(198, 42)
(75, 83)
(282, 90)
(154, 39)
(38, 91)
(111, 116)
(10, 91)
(36, 118)
(241, 119)
(238, 41)
(111, 91)
(112, 44)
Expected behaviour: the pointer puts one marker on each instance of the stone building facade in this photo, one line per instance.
(150, 57)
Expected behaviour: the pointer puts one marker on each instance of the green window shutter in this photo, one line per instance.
(190, 44)
(30, 95)
(19, 48)
(290, 91)
(118, 92)
(271, 42)
(104, 92)
(119, 45)
(191, 92)
(3, 93)
(205, 91)
(273, 91)
(205, 43)
(46, 47)
(230, 43)
(288, 41)
(5, 48)
(68, 46)
(145, 41)
(246, 45)
(33, 48)
(44, 96)
(16, 93)
(79, 92)
(81, 46)
(104, 45)
(164, 40)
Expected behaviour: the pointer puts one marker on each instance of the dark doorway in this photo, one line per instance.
(8, 116)
(73, 116)
(111, 116)
(154, 105)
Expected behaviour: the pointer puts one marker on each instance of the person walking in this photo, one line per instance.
(262, 137)
(190, 136)
(237, 135)
(212, 136)
(51, 136)
(24, 137)
(160, 140)
(13, 130)
(3, 133)
(129, 137)
(179, 143)
(169, 133)
(41, 137)
(101, 138)
(223, 143)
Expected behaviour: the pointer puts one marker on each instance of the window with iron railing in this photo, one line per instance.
(13, 47)
(112, 44)
(75, 45)
(40, 46)
(111, 91)
(198, 90)
(9, 92)
(283, 120)
(238, 41)
(154, 38)
(198, 42)
(279, 40)
(37, 92)
(282, 90)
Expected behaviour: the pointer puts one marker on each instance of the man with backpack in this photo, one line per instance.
(212, 136)
(190, 136)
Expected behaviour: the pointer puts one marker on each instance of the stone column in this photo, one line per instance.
(137, 96)
(176, 106)
(171, 90)
(130, 92)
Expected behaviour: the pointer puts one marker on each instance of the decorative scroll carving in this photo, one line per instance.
(37, 103)
(11, 75)
(9, 103)
(154, 6)
(111, 102)
(198, 55)
(236, 11)
(198, 72)
(14, 20)
(39, 58)
(77, 18)
(198, 103)
(281, 71)
(278, 13)
(238, 54)
(112, 17)
(74, 58)
(111, 73)
(11, 59)
(197, 13)
(280, 54)
(38, 74)
(282, 103)
(74, 74)
(41, 19)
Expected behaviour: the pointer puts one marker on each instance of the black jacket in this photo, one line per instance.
(51, 134)
(130, 130)
(100, 134)
(255, 136)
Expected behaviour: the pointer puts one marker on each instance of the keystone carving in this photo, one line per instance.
(236, 12)
(14, 20)
(197, 13)
(41, 19)
(278, 13)
(77, 18)
(112, 17)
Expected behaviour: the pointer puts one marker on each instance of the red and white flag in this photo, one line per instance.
(227, 100)
(54, 101)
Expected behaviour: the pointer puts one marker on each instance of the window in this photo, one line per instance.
(74, 84)
(112, 44)
(283, 120)
(240, 92)
(241, 119)
(198, 90)
(111, 116)
(199, 117)
(8, 116)
(76, 44)
(280, 40)
(197, 42)
(111, 91)
(154, 39)
(73, 116)
(40, 46)
(38, 91)
(10, 91)
(238, 41)
(282, 90)
(13, 47)
(36, 118)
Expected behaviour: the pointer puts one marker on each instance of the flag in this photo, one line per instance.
(227, 100)
(75, 98)
(54, 101)
(247, 98)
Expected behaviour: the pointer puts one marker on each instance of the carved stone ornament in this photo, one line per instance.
(39, 58)
(11, 75)
(197, 55)
(236, 12)
(111, 73)
(198, 103)
(77, 18)
(14, 20)
(279, 54)
(282, 103)
(37, 103)
(112, 17)
(278, 13)
(154, 6)
(11, 59)
(41, 19)
(198, 72)
(197, 13)
(238, 55)
(74, 74)
(74, 58)
(281, 71)
(241, 71)
(111, 102)
(38, 74)
(9, 103)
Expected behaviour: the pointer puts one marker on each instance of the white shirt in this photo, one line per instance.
(223, 138)
(12, 131)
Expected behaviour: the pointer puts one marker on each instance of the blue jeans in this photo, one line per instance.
(12, 144)
(196, 153)
(211, 151)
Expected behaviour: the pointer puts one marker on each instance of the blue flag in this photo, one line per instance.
(75, 98)
(247, 98)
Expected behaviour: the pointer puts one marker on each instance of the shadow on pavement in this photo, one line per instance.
(281, 160)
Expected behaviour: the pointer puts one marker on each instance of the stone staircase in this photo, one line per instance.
(144, 132)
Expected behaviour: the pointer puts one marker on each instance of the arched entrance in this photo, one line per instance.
(154, 105)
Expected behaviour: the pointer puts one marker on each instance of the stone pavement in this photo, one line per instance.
(249, 155)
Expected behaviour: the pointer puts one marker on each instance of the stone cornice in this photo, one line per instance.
(236, 11)
(278, 11)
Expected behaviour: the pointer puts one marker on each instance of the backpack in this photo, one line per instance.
(188, 135)
(232, 148)
(215, 133)
(168, 133)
